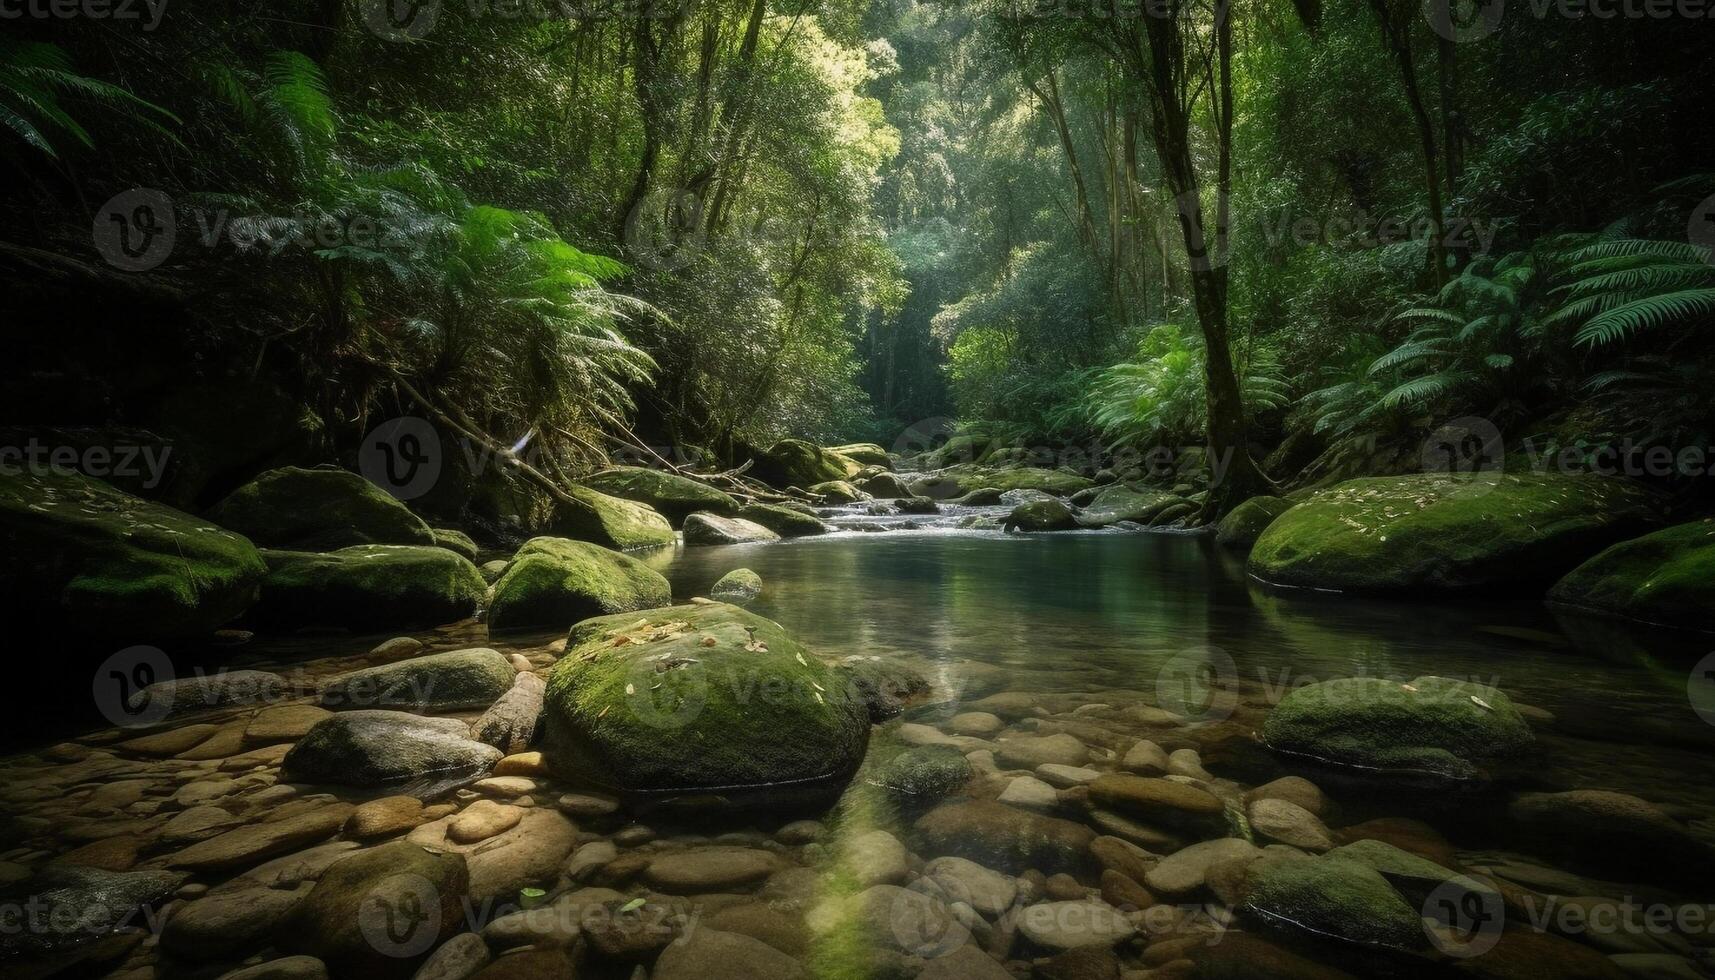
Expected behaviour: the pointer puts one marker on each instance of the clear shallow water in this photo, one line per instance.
(1110, 612)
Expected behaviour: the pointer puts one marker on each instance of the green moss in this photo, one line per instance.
(1666, 577)
(318, 510)
(697, 697)
(557, 582)
(1433, 725)
(1240, 529)
(672, 495)
(1041, 515)
(924, 776)
(738, 586)
(1415, 878)
(368, 587)
(1122, 503)
(457, 542)
(866, 453)
(838, 492)
(796, 463)
(611, 522)
(784, 521)
(84, 558)
(1337, 897)
(1427, 533)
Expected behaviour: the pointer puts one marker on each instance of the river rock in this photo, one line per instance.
(380, 911)
(1118, 854)
(875, 858)
(1030, 793)
(1122, 503)
(1246, 522)
(612, 522)
(965, 963)
(70, 906)
(990, 893)
(782, 520)
(739, 587)
(1427, 533)
(698, 696)
(796, 463)
(884, 684)
(282, 723)
(230, 921)
(1002, 837)
(388, 816)
(1040, 515)
(707, 953)
(1289, 823)
(1066, 777)
(1160, 802)
(1058, 926)
(923, 776)
(670, 494)
(1664, 577)
(1431, 726)
(1338, 897)
(1293, 789)
(557, 582)
(320, 509)
(531, 854)
(373, 748)
(714, 529)
(251, 843)
(284, 968)
(1146, 758)
(368, 587)
(512, 723)
(884, 486)
(458, 680)
(530, 964)
(903, 920)
(1030, 751)
(459, 958)
(1185, 871)
(710, 869)
(482, 820)
(1614, 833)
(181, 695)
(90, 560)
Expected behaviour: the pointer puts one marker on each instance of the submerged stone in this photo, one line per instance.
(1667, 577)
(373, 748)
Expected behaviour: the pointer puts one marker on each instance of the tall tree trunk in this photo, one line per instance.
(1396, 35)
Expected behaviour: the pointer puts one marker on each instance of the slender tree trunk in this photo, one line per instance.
(1396, 35)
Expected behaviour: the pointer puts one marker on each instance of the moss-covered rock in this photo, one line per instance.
(674, 496)
(922, 777)
(318, 509)
(457, 542)
(1414, 877)
(1335, 897)
(1428, 533)
(368, 587)
(611, 522)
(714, 529)
(738, 587)
(1431, 726)
(557, 582)
(702, 697)
(838, 492)
(788, 522)
(884, 486)
(456, 680)
(1041, 515)
(796, 463)
(866, 453)
(1240, 528)
(1666, 577)
(84, 558)
(1121, 503)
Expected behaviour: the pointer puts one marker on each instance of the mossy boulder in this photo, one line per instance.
(1415, 878)
(739, 587)
(796, 463)
(1447, 533)
(456, 680)
(612, 522)
(557, 582)
(368, 588)
(1431, 726)
(699, 698)
(885, 486)
(922, 777)
(1121, 503)
(457, 542)
(672, 495)
(866, 453)
(1240, 528)
(84, 558)
(788, 522)
(1667, 577)
(320, 509)
(1335, 897)
(838, 492)
(714, 529)
(1041, 515)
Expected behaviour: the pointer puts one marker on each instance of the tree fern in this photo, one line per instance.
(37, 80)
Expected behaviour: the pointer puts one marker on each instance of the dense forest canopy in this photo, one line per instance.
(1302, 236)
